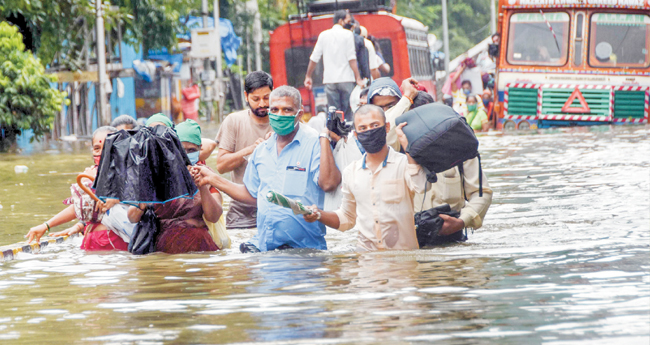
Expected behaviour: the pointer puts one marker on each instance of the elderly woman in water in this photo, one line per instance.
(184, 222)
(111, 233)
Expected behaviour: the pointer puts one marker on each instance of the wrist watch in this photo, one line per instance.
(326, 136)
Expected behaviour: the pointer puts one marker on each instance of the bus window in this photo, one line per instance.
(619, 40)
(296, 60)
(531, 42)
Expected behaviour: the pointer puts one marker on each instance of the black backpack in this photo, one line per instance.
(439, 139)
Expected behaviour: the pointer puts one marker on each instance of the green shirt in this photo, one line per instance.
(475, 119)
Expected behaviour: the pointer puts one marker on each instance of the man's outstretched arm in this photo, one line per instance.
(239, 192)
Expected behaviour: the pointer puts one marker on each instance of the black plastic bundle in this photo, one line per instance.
(428, 224)
(147, 165)
(145, 233)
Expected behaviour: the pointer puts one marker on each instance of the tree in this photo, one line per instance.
(469, 20)
(26, 98)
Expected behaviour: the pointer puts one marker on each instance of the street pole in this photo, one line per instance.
(101, 63)
(205, 90)
(445, 36)
(219, 71)
(493, 17)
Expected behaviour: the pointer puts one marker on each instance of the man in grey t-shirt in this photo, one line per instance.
(238, 137)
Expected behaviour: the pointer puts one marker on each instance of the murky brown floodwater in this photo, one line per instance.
(562, 259)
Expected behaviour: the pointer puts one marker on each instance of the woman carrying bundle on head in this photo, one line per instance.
(184, 222)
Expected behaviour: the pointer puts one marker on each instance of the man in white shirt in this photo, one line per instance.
(378, 189)
(336, 47)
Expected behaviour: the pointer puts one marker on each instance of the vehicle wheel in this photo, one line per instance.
(524, 126)
(509, 126)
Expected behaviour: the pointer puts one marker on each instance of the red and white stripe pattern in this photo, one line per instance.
(524, 85)
(520, 117)
(630, 120)
(505, 100)
(630, 88)
(579, 86)
(647, 104)
(539, 101)
(611, 104)
(574, 118)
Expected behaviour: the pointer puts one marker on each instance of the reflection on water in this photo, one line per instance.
(562, 258)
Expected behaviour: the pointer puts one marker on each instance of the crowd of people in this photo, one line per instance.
(362, 180)
(268, 147)
(460, 94)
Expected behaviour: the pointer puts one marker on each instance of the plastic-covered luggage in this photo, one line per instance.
(439, 139)
(147, 165)
(429, 223)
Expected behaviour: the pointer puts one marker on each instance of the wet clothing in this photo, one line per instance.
(102, 240)
(451, 189)
(182, 228)
(380, 203)
(237, 132)
(294, 173)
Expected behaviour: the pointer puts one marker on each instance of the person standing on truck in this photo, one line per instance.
(341, 74)
(238, 136)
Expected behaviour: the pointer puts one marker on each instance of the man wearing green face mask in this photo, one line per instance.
(294, 161)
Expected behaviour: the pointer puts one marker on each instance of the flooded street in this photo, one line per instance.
(563, 258)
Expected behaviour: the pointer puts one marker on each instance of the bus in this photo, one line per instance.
(403, 43)
(572, 62)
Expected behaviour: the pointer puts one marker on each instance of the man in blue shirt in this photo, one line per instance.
(294, 161)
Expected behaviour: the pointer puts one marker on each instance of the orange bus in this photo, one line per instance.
(572, 62)
(403, 43)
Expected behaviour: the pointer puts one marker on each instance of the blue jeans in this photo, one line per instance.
(338, 95)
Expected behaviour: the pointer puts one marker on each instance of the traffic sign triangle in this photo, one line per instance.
(567, 108)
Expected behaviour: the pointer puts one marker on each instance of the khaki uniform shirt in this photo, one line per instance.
(451, 189)
(380, 203)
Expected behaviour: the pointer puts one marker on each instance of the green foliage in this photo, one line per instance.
(469, 20)
(26, 98)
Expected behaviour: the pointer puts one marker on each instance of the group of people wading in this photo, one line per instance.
(268, 147)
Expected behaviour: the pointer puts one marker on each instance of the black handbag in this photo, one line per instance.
(145, 233)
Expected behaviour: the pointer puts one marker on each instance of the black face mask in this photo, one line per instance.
(347, 26)
(258, 112)
(373, 140)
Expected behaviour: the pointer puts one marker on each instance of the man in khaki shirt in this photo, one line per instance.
(462, 193)
(378, 189)
(238, 137)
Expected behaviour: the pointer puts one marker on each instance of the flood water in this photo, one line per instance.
(563, 258)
